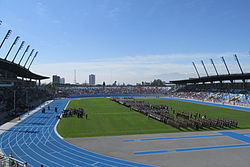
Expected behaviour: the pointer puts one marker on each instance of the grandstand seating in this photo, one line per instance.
(26, 98)
(112, 91)
(16, 83)
(217, 97)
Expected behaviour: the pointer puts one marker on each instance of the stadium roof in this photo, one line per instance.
(19, 70)
(214, 78)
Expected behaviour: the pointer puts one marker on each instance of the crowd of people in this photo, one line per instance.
(80, 113)
(216, 97)
(176, 119)
(112, 90)
(16, 100)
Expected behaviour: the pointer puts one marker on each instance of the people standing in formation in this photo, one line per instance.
(74, 112)
(177, 119)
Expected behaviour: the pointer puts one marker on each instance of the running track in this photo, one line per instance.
(34, 141)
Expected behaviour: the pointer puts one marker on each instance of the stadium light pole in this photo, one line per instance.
(32, 60)
(6, 37)
(236, 58)
(223, 60)
(26, 50)
(15, 41)
(214, 66)
(18, 51)
(29, 57)
(196, 70)
(204, 67)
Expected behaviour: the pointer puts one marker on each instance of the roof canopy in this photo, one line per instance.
(19, 70)
(214, 78)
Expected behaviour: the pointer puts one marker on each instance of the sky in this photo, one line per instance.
(128, 41)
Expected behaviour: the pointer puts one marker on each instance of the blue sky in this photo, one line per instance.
(129, 40)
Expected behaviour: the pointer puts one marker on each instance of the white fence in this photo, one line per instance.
(11, 162)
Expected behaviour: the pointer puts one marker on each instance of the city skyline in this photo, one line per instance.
(129, 41)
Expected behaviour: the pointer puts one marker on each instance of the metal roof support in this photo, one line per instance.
(236, 58)
(196, 70)
(6, 37)
(26, 50)
(32, 60)
(18, 51)
(17, 38)
(223, 60)
(204, 67)
(29, 57)
(214, 66)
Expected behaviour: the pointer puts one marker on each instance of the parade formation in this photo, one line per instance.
(73, 112)
(174, 118)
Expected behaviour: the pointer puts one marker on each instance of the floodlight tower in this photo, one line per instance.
(28, 57)
(236, 58)
(26, 50)
(6, 37)
(20, 47)
(214, 66)
(33, 59)
(196, 70)
(204, 67)
(223, 60)
(15, 41)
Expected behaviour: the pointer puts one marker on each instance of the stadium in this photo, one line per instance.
(42, 130)
(199, 121)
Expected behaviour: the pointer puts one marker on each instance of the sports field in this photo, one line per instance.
(107, 118)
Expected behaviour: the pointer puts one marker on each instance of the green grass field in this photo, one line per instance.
(107, 118)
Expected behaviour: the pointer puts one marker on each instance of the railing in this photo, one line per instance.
(11, 162)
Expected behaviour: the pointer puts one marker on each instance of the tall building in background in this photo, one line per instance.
(62, 80)
(55, 79)
(91, 79)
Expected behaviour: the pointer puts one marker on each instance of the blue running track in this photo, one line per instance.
(34, 141)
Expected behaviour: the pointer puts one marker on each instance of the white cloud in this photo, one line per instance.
(133, 69)
(40, 9)
(113, 12)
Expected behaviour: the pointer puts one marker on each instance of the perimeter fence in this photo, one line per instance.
(9, 161)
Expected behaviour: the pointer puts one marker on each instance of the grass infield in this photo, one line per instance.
(107, 118)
